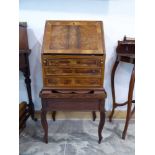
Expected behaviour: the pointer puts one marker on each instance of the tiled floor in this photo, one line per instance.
(77, 137)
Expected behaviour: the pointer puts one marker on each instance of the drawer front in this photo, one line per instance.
(70, 82)
(87, 81)
(72, 71)
(57, 82)
(74, 61)
(66, 71)
(73, 104)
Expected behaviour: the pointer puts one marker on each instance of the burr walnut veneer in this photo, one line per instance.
(73, 55)
(73, 58)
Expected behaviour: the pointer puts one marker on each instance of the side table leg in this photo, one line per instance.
(131, 87)
(112, 113)
(102, 121)
(94, 115)
(31, 105)
(113, 88)
(44, 125)
(133, 111)
(26, 72)
(53, 115)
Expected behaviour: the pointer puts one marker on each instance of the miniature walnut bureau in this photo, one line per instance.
(73, 59)
(73, 54)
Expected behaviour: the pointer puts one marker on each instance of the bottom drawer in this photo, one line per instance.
(72, 82)
(74, 104)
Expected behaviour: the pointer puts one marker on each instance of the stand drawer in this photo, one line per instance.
(73, 104)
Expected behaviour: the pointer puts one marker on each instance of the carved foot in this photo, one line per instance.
(123, 135)
(99, 141)
(45, 139)
(32, 111)
(101, 124)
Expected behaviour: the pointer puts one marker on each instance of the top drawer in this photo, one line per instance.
(73, 61)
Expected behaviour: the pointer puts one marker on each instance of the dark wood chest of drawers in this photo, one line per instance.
(73, 54)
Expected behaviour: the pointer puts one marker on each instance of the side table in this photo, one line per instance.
(24, 52)
(128, 57)
(72, 100)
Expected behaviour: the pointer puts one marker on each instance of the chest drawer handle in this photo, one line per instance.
(93, 71)
(45, 62)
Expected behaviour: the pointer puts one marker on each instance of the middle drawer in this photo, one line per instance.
(72, 71)
(72, 61)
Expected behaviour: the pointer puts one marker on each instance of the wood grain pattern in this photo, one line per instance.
(73, 37)
(64, 71)
(72, 82)
(72, 71)
(73, 54)
(72, 60)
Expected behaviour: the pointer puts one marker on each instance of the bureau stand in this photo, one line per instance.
(72, 100)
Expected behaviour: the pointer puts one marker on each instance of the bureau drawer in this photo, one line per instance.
(72, 71)
(57, 81)
(87, 81)
(74, 61)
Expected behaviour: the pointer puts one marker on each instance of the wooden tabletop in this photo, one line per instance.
(23, 38)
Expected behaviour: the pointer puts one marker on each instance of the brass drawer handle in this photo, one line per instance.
(45, 62)
(101, 61)
(93, 71)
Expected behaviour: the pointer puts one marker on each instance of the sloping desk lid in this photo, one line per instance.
(73, 37)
